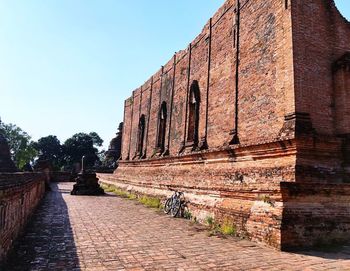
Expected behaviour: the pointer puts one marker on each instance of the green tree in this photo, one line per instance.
(20, 143)
(82, 144)
(49, 148)
(96, 139)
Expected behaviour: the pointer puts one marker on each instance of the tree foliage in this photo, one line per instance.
(82, 144)
(21, 146)
(24, 150)
(49, 148)
(96, 139)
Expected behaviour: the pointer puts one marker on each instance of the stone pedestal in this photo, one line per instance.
(87, 184)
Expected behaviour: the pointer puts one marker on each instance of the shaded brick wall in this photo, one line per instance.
(315, 214)
(20, 193)
(318, 42)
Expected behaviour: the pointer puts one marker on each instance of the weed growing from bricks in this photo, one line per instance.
(147, 201)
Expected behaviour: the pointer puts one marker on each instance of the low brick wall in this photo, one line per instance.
(58, 176)
(256, 188)
(294, 216)
(20, 194)
(241, 186)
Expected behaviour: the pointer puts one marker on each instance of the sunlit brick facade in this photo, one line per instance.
(252, 122)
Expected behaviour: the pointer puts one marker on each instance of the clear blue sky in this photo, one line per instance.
(67, 66)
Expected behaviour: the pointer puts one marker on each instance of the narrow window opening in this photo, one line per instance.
(193, 116)
(162, 126)
(141, 135)
(286, 4)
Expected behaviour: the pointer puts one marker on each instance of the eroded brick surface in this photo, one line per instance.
(272, 106)
(110, 233)
(20, 194)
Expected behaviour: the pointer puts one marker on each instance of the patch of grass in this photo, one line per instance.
(209, 220)
(228, 228)
(150, 202)
(121, 193)
(107, 188)
(132, 196)
(187, 215)
(214, 229)
(213, 225)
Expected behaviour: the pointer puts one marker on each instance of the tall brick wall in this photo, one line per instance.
(264, 81)
(273, 79)
(20, 193)
(321, 89)
(327, 37)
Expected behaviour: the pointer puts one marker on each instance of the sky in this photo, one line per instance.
(66, 66)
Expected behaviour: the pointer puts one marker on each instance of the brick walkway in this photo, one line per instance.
(110, 233)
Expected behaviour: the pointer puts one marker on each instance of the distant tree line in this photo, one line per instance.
(26, 152)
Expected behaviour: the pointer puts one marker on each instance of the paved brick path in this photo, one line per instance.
(110, 233)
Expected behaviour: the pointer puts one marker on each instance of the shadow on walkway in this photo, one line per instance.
(336, 252)
(48, 241)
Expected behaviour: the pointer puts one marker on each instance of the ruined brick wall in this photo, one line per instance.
(220, 185)
(273, 83)
(20, 193)
(261, 92)
(314, 214)
(318, 42)
(322, 84)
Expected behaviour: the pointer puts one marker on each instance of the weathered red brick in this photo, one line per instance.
(279, 115)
